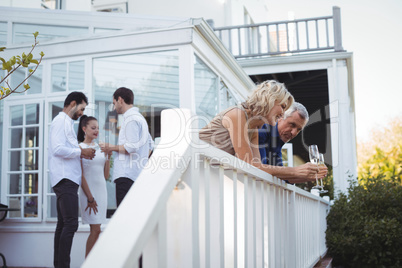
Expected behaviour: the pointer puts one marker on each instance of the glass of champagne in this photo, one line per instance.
(322, 163)
(314, 158)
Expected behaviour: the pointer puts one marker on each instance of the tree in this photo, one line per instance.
(365, 225)
(13, 64)
(382, 155)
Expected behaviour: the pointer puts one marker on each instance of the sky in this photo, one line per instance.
(372, 30)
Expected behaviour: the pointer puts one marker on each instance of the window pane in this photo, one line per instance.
(35, 81)
(231, 101)
(31, 206)
(14, 202)
(32, 114)
(206, 91)
(16, 138)
(51, 207)
(76, 75)
(59, 77)
(31, 183)
(3, 33)
(15, 161)
(23, 33)
(15, 184)
(49, 187)
(2, 74)
(16, 115)
(153, 77)
(32, 137)
(31, 159)
(16, 78)
(55, 109)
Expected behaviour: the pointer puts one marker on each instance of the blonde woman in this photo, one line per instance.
(235, 130)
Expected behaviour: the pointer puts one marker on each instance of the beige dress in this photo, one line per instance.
(217, 135)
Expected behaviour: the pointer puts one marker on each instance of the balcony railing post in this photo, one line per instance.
(336, 11)
(292, 237)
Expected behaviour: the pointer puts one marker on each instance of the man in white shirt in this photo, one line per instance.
(133, 146)
(65, 173)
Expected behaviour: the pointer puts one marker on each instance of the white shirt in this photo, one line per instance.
(135, 138)
(64, 152)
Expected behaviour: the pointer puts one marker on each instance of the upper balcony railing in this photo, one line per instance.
(284, 37)
(197, 206)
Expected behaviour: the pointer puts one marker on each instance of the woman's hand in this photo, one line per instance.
(92, 205)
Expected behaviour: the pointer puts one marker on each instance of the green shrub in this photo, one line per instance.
(365, 226)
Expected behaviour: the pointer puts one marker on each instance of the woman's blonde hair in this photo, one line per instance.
(266, 94)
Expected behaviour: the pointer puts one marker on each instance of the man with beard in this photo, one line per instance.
(65, 174)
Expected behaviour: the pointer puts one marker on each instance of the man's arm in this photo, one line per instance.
(108, 148)
(136, 136)
(58, 140)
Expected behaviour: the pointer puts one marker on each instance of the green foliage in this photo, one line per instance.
(365, 226)
(382, 154)
(385, 163)
(13, 64)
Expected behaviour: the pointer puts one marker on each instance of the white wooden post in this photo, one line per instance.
(342, 133)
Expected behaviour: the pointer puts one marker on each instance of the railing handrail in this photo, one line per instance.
(271, 23)
(135, 222)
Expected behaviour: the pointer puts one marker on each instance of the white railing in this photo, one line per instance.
(288, 37)
(197, 206)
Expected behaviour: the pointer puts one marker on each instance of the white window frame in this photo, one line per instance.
(52, 97)
(5, 167)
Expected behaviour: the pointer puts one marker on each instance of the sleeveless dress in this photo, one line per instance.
(94, 174)
(217, 135)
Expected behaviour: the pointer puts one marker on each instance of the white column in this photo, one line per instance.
(342, 127)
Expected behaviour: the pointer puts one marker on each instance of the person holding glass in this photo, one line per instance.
(272, 138)
(94, 175)
(235, 130)
(133, 146)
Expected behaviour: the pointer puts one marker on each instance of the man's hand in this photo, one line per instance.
(92, 205)
(307, 172)
(106, 148)
(323, 171)
(88, 153)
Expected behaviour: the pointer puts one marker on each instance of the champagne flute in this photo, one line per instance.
(322, 163)
(314, 155)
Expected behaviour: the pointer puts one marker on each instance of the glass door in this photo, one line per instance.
(22, 154)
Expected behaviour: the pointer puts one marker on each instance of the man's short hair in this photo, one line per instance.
(297, 107)
(76, 96)
(126, 94)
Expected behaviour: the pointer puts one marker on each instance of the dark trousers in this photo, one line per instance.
(67, 221)
(123, 185)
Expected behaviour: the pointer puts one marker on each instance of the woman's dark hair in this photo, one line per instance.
(76, 96)
(126, 94)
(84, 120)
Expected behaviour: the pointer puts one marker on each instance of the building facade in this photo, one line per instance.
(169, 62)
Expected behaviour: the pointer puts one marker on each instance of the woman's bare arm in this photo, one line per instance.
(236, 123)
